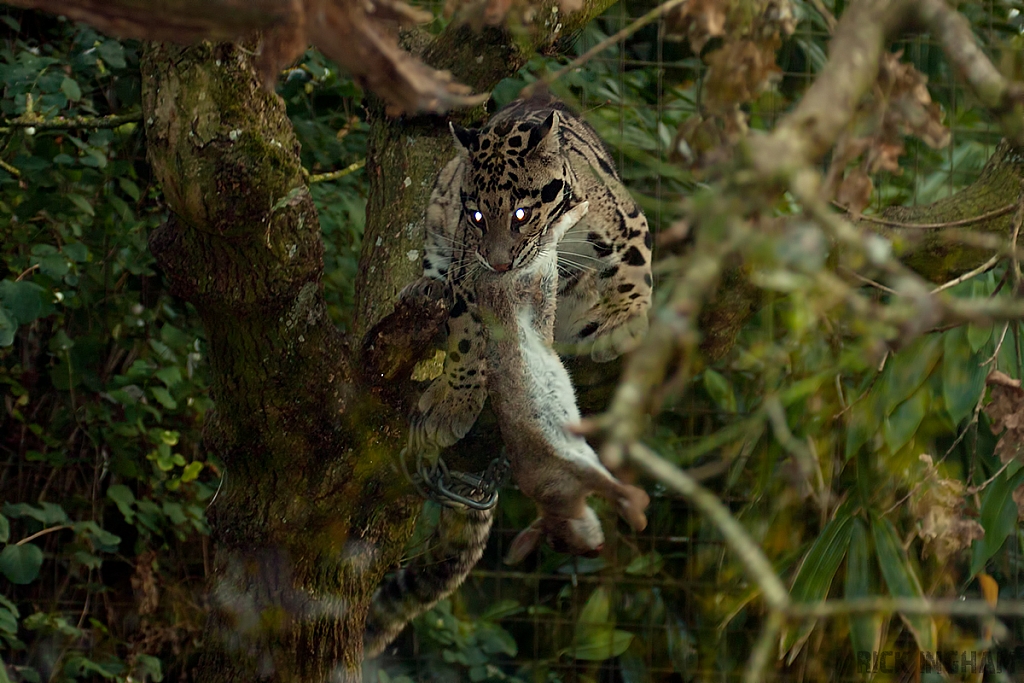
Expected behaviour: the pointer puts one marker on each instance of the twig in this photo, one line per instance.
(867, 280)
(757, 566)
(10, 169)
(653, 15)
(42, 533)
(995, 213)
(983, 268)
(334, 175)
(26, 272)
(63, 123)
(999, 95)
(999, 346)
(761, 655)
(983, 485)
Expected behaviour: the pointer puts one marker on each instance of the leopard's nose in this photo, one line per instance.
(501, 267)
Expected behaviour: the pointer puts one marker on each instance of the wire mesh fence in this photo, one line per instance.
(668, 612)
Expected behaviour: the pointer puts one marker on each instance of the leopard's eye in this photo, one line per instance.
(521, 215)
(476, 217)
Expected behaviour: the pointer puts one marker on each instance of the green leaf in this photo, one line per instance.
(102, 540)
(21, 563)
(49, 514)
(5, 529)
(865, 629)
(23, 299)
(164, 397)
(502, 609)
(130, 188)
(720, 391)
(648, 564)
(112, 52)
(594, 613)
(82, 203)
(978, 336)
(54, 266)
(865, 419)
(170, 376)
(902, 580)
(908, 369)
(814, 577)
(69, 87)
(8, 326)
(601, 644)
(76, 251)
(124, 499)
(3, 672)
(899, 427)
(191, 471)
(998, 518)
(963, 377)
(148, 666)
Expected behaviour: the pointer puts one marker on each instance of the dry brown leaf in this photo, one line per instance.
(699, 143)
(1006, 411)
(938, 505)
(1018, 498)
(738, 72)
(698, 21)
(855, 191)
(909, 109)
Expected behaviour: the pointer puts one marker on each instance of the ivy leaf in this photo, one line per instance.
(82, 203)
(124, 499)
(21, 563)
(23, 299)
(191, 472)
(69, 87)
(5, 529)
(112, 52)
(164, 397)
(8, 326)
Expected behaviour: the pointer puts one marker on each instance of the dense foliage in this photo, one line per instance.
(861, 468)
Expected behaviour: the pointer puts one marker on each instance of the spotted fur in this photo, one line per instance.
(491, 210)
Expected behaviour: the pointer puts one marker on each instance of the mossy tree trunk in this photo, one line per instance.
(306, 524)
(310, 516)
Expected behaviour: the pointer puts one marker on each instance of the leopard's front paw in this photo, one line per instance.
(445, 415)
(425, 290)
(608, 340)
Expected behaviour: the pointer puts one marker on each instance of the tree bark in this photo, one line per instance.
(307, 521)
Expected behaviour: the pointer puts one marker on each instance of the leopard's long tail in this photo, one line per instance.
(456, 545)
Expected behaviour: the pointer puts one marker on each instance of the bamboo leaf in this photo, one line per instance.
(902, 581)
(865, 630)
(814, 577)
(998, 518)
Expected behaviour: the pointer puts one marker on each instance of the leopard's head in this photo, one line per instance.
(517, 185)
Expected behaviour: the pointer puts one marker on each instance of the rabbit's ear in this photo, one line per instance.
(525, 543)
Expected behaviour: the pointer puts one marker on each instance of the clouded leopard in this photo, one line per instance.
(490, 209)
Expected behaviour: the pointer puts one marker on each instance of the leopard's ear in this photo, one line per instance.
(467, 138)
(544, 138)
